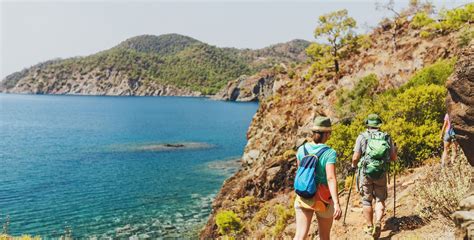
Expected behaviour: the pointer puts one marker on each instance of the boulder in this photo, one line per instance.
(460, 101)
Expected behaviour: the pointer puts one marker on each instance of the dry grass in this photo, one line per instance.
(440, 193)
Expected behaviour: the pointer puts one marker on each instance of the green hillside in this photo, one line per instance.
(170, 59)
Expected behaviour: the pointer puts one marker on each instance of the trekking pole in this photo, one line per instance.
(348, 197)
(394, 190)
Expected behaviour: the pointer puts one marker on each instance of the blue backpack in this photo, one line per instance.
(305, 180)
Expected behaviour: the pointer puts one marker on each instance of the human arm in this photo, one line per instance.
(443, 129)
(357, 152)
(355, 159)
(332, 184)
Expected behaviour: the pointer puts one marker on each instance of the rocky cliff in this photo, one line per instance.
(249, 88)
(148, 65)
(460, 101)
(280, 124)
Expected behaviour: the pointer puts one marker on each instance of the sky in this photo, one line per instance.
(36, 31)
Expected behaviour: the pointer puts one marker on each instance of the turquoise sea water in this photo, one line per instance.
(84, 162)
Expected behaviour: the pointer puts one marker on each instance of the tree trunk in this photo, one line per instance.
(336, 66)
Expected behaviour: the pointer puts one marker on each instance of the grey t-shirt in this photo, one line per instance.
(361, 142)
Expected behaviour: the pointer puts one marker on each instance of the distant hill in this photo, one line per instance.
(169, 64)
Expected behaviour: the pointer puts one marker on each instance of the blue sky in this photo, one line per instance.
(35, 31)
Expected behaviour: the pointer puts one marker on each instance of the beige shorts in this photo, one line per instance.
(326, 214)
(370, 189)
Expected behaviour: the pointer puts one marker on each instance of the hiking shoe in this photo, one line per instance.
(377, 231)
(368, 230)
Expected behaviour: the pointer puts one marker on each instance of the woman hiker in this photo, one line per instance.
(449, 138)
(325, 203)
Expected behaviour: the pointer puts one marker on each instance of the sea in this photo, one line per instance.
(103, 167)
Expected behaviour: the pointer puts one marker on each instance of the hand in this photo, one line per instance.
(337, 212)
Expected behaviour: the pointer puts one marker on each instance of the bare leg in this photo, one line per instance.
(379, 210)
(368, 215)
(303, 223)
(324, 227)
(445, 152)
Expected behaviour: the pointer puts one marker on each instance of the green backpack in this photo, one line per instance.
(374, 163)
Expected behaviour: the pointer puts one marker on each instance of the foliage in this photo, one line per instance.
(436, 73)
(420, 20)
(245, 204)
(442, 197)
(336, 27)
(449, 21)
(415, 119)
(228, 223)
(465, 37)
(271, 220)
(282, 215)
(321, 57)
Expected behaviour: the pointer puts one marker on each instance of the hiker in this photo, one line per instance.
(449, 138)
(374, 149)
(325, 202)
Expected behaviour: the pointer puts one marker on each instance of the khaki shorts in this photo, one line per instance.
(370, 189)
(326, 214)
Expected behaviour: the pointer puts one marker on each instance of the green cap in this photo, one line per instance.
(373, 120)
(321, 124)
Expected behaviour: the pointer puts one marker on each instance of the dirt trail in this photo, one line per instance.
(406, 224)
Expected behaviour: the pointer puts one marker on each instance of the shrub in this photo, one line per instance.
(465, 37)
(436, 73)
(425, 34)
(246, 203)
(420, 20)
(442, 196)
(290, 153)
(228, 223)
(282, 214)
(414, 118)
(291, 73)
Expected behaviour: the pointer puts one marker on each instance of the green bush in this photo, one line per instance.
(465, 37)
(228, 223)
(282, 215)
(246, 203)
(436, 73)
(420, 20)
(414, 119)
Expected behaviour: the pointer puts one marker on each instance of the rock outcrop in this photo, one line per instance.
(460, 101)
(95, 82)
(248, 88)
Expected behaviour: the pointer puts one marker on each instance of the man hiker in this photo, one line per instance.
(374, 149)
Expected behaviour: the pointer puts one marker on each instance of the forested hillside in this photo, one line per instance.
(168, 64)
